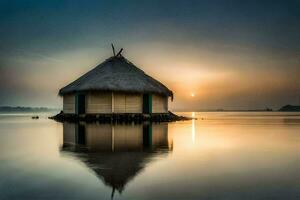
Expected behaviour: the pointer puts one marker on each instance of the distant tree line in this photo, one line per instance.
(25, 109)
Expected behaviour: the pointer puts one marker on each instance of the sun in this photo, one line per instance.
(192, 94)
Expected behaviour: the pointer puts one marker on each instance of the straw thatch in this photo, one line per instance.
(116, 74)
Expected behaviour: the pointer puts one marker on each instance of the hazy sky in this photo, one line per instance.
(230, 54)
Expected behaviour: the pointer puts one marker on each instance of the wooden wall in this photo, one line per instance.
(159, 104)
(98, 102)
(119, 102)
(69, 103)
(128, 103)
(101, 102)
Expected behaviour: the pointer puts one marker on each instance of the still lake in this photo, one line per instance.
(222, 155)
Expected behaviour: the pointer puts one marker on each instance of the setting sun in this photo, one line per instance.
(192, 94)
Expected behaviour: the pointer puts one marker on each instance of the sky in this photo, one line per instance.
(211, 54)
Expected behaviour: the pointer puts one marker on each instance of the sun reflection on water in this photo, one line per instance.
(193, 129)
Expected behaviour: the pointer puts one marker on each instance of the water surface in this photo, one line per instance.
(225, 155)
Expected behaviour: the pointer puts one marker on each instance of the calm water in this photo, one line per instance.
(219, 156)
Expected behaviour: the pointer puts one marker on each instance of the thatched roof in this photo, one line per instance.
(116, 74)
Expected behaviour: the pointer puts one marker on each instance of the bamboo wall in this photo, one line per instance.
(128, 103)
(99, 102)
(69, 103)
(119, 103)
(159, 104)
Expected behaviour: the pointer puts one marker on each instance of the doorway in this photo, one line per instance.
(80, 104)
(147, 103)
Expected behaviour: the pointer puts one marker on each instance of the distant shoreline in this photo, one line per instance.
(223, 110)
(26, 109)
(286, 108)
(18, 109)
(226, 111)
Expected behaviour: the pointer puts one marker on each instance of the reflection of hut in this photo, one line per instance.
(116, 153)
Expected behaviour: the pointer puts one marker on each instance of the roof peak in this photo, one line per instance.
(116, 74)
(114, 52)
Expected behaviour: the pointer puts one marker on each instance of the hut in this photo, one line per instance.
(115, 86)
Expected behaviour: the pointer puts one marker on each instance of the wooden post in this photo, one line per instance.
(76, 104)
(119, 53)
(112, 102)
(113, 48)
(150, 103)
